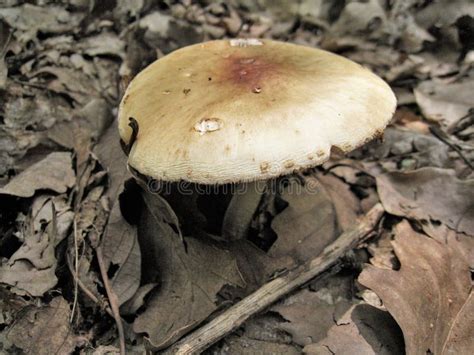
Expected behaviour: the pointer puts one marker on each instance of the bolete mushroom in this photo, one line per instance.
(243, 110)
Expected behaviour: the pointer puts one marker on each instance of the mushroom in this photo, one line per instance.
(245, 110)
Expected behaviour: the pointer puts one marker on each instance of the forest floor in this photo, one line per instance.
(78, 239)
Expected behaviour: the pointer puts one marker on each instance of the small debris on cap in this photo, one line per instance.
(208, 125)
(245, 42)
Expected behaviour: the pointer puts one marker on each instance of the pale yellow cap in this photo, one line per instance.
(242, 110)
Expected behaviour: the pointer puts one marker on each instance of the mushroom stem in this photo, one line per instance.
(241, 209)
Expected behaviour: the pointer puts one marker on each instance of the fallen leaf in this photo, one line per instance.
(32, 268)
(430, 297)
(258, 335)
(122, 255)
(316, 214)
(70, 82)
(346, 205)
(445, 103)
(52, 173)
(105, 43)
(29, 19)
(429, 194)
(363, 330)
(361, 18)
(39, 112)
(113, 160)
(310, 315)
(188, 281)
(138, 300)
(329, 318)
(44, 330)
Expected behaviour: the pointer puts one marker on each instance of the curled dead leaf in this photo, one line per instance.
(430, 297)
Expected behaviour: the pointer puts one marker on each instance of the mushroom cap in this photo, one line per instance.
(242, 110)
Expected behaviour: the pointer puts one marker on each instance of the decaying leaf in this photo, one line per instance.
(113, 159)
(52, 173)
(30, 19)
(122, 253)
(44, 330)
(362, 329)
(445, 103)
(315, 216)
(31, 269)
(259, 335)
(188, 280)
(329, 320)
(429, 194)
(310, 314)
(431, 295)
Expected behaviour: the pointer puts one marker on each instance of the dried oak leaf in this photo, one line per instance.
(52, 173)
(431, 295)
(188, 281)
(45, 330)
(429, 194)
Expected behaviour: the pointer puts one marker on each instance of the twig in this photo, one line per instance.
(88, 292)
(443, 138)
(232, 318)
(465, 121)
(113, 299)
(76, 270)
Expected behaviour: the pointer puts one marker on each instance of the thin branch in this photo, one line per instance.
(76, 270)
(113, 299)
(272, 291)
(443, 138)
(86, 290)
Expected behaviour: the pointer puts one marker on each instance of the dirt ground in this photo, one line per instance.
(90, 260)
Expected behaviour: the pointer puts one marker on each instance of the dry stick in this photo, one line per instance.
(439, 134)
(76, 271)
(233, 318)
(113, 300)
(88, 292)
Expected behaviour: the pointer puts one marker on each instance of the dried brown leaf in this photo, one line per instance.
(310, 315)
(31, 269)
(122, 252)
(188, 280)
(316, 214)
(329, 319)
(363, 330)
(113, 159)
(29, 19)
(44, 330)
(258, 335)
(52, 173)
(429, 194)
(430, 297)
(444, 103)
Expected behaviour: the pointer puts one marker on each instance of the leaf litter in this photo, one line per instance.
(64, 187)
(440, 322)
